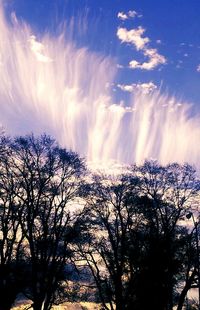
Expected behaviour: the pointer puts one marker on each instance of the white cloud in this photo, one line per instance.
(130, 14)
(145, 88)
(155, 59)
(127, 88)
(134, 64)
(198, 68)
(122, 16)
(158, 41)
(136, 38)
(38, 49)
(133, 36)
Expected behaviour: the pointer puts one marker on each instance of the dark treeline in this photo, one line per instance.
(127, 241)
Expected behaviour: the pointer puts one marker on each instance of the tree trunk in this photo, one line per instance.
(185, 290)
(182, 298)
(37, 305)
(118, 294)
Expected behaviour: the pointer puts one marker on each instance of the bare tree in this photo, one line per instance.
(11, 237)
(178, 187)
(105, 224)
(133, 234)
(48, 184)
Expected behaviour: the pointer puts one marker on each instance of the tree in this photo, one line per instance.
(48, 180)
(178, 188)
(132, 237)
(105, 224)
(191, 272)
(12, 278)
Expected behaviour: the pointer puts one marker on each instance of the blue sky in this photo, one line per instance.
(171, 27)
(110, 79)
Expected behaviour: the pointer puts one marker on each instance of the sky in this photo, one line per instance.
(114, 80)
(156, 44)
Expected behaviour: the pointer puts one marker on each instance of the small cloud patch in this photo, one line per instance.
(130, 14)
(198, 68)
(145, 88)
(140, 42)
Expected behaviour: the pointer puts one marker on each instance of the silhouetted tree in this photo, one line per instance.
(190, 274)
(132, 237)
(106, 223)
(131, 233)
(12, 278)
(48, 184)
(172, 190)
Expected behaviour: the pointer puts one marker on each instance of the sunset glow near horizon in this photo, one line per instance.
(112, 80)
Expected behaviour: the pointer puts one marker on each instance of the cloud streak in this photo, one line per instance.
(69, 98)
(38, 50)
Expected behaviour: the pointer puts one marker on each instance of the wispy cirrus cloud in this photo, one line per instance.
(140, 42)
(198, 68)
(38, 50)
(145, 88)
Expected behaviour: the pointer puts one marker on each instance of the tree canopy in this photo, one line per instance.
(133, 241)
